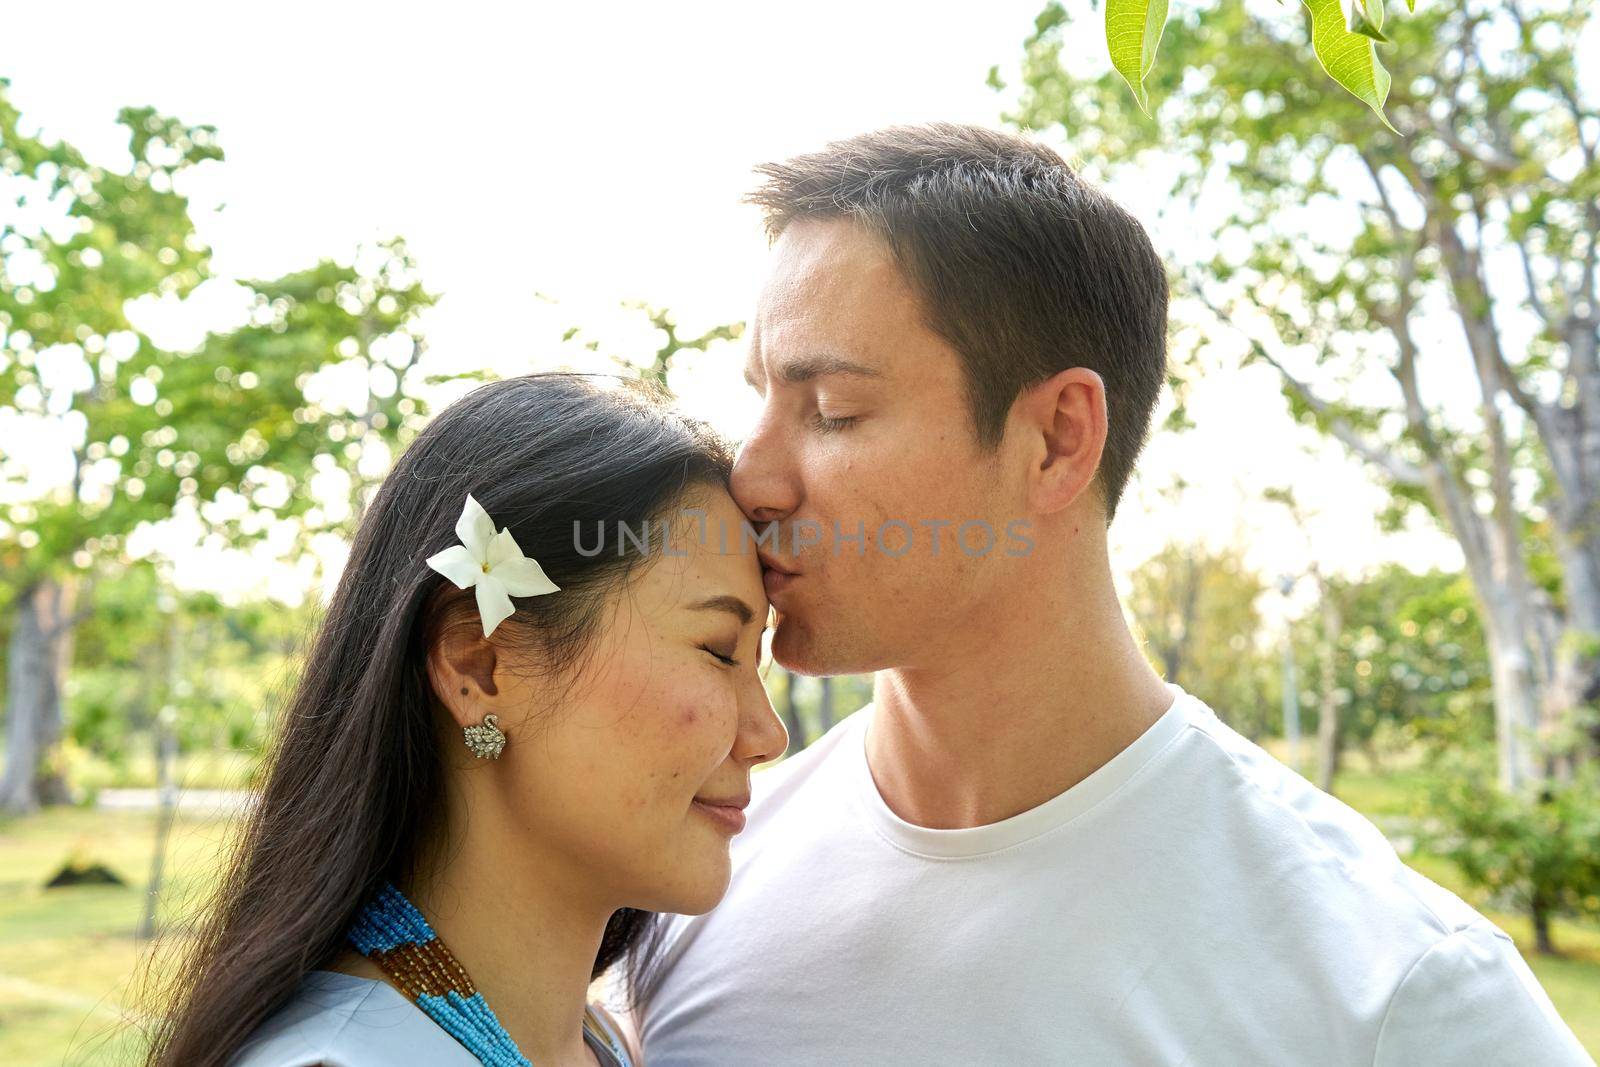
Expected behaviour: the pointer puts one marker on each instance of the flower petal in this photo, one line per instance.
(457, 564)
(501, 548)
(475, 528)
(494, 605)
(523, 577)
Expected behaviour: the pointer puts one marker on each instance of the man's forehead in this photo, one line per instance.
(828, 254)
(827, 293)
(808, 364)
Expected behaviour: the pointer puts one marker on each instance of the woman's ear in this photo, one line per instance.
(461, 669)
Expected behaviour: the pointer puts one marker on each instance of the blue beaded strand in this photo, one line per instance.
(390, 921)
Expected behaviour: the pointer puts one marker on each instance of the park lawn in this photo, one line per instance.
(1393, 794)
(68, 956)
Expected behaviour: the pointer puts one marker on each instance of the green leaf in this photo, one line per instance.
(1365, 17)
(1350, 59)
(1133, 31)
(1052, 16)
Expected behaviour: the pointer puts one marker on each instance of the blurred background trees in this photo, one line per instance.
(224, 438)
(1427, 293)
(1425, 290)
(1421, 286)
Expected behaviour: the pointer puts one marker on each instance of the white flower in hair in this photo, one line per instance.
(493, 563)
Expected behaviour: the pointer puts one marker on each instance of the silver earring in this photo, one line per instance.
(485, 741)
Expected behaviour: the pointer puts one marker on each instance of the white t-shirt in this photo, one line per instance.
(1191, 902)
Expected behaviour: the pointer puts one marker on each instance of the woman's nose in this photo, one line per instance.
(762, 737)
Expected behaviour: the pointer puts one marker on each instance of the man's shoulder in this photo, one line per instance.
(1305, 844)
(1474, 974)
(1304, 870)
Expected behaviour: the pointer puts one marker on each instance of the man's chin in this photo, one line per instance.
(804, 647)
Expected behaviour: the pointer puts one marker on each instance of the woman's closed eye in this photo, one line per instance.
(724, 658)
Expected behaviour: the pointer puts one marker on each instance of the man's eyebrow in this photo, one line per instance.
(726, 602)
(805, 368)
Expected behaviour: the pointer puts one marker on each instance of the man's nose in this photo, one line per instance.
(763, 482)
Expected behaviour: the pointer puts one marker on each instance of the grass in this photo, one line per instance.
(69, 959)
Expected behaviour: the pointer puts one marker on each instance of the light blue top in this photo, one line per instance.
(340, 1020)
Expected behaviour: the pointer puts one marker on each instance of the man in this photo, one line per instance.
(1028, 849)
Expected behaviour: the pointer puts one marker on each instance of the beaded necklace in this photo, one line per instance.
(392, 933)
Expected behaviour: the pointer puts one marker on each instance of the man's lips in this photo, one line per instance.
(775, 582)
(774, 577)
(770, 563)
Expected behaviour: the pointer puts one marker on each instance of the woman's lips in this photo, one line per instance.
(727, 817)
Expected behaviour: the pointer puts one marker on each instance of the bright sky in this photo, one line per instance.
(598, 156)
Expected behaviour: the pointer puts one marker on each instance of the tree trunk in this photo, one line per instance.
(40, 649)
(1516, 705)
(825, 707)
(790, 711)
(1328, 712)
(1575, 674)
(1369, 749)
(1542, 942)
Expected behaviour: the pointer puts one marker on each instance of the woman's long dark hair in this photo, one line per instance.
(353, 784)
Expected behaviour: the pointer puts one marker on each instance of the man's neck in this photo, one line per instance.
(1037, 698)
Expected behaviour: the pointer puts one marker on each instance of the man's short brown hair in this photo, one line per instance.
(1024, 268)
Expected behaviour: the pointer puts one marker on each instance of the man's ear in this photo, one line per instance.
(461, 668)
(1066, 417)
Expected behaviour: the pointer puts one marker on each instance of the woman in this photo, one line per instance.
(528, 720)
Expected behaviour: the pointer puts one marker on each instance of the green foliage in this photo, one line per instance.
(227, 425)
(319, 380)
(355, 321)
(1195, 610)
(1347, 51)
(1133, 33)
(1411, 651)
(1366, 18)
(231, 662)
(77, 244)
(1533, 851)
(660, 363)
(1328, 245)
(1343, 36)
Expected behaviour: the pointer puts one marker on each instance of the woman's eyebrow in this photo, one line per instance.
(726, 602)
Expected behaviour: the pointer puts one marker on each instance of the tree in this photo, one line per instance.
(78, 243)
(1196, 610)
(1329, 739)
(1334, 251)
(659, 363)
(234, 656)
(1408, 651)
(225, 433)
(1532, 850)
(808, 711)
